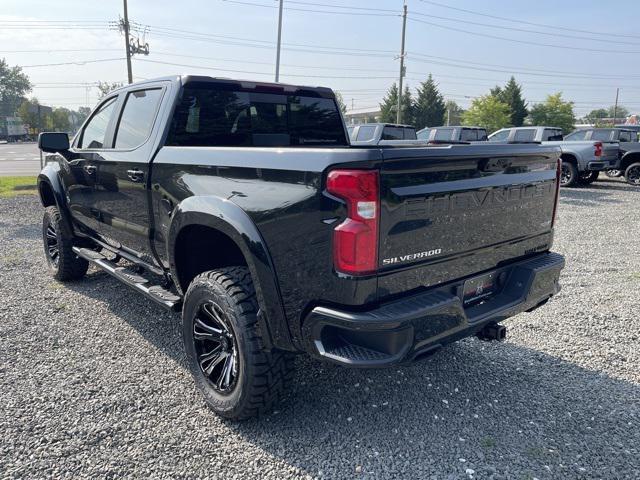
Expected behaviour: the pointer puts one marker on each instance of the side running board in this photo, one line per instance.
(156, 293)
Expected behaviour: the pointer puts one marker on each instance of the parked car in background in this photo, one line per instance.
(582, 161)
(453, 134)
(627, 139)
(375, 133)
(526, 134)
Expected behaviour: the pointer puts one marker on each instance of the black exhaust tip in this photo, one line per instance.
(493, 331)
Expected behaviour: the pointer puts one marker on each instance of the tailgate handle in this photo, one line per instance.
(135, 175)
(90, 169)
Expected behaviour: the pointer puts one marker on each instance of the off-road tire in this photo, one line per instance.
(569, 175)
(588, 177)
(63, 263)
(632, 174)
(262, 374)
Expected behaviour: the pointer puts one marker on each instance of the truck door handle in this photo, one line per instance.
(90, 169)
(135, 175)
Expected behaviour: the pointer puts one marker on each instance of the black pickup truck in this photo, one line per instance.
(243, 205)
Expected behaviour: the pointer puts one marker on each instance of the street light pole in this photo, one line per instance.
(126, 43)
(615, 108)
(279, 41)
(404, 28)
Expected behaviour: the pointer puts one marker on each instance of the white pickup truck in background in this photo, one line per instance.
(582, 160)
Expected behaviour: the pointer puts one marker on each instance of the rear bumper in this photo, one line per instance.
(401, 330)
(602, 165)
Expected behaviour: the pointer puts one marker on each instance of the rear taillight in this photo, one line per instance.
(598, 149)
(355, 240)
(557, 193)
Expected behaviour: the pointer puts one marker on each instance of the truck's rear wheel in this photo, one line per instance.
(237, 375)
(568, 175)
(63, 263)
(588, 177)
(632, 174)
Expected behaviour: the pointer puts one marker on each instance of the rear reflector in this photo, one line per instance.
(355, 240)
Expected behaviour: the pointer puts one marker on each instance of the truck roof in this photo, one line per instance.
(243, 84)
(375, 124)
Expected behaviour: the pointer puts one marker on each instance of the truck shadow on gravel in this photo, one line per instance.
(496, 408)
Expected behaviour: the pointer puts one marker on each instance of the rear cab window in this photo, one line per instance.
(602, 135)
(225, 114)
(393, 133)
(410, 133)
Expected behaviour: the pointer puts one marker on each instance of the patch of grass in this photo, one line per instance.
(635, 276)
(12, 186)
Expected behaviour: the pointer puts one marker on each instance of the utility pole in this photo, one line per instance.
(615, 108)
(448, 115)
(126, 43)
(279, 41)
(404, 28)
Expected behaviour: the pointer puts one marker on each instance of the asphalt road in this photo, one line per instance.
(19, 159)
(93, 380)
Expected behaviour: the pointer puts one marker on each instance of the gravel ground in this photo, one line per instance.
(93, 380)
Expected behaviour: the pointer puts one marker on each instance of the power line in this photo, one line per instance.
(538, 32)
(77, 62)
(240, 2)
(368, 77)
(57, 50)
(563, 27)
(526, 42)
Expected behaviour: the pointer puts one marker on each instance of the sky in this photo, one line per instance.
(583, 48)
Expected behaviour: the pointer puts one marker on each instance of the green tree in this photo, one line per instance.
(453, 113)
(60, 119)
(511, 94)
(554, 112)
(389, 106)
(105, 87)
(28, 112)
(620, 112)
(14, 85)
(429, 107)
(340, 102)
(488, 112)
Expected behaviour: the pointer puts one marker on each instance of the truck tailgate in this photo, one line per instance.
(450, 212)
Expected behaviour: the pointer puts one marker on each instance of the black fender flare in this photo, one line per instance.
(50, 177)
(629, 158)
(228, 218)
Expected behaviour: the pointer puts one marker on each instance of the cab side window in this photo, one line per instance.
(93, 135)
(137, 117)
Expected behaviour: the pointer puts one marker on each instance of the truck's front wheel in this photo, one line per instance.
(237, 375)
(569, 175)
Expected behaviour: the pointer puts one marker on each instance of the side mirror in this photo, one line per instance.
(52, 142)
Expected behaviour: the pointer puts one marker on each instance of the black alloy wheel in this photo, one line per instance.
(52, 250)
(632, 174)
(216, 347)
(568, 175)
